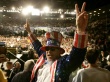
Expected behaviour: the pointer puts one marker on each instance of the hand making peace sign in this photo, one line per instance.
(81, 18)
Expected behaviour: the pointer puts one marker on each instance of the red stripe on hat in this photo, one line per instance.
(60, 37)
(55, 35)
(47, 35)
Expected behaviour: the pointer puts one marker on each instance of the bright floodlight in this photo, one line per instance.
(46, 9)
(36, 12)
(27, 10)
(30, 8)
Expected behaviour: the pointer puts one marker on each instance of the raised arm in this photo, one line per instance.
(78, 51)
(34, 41)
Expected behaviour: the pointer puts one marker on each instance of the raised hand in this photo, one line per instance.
(81, 18)
(27, 26)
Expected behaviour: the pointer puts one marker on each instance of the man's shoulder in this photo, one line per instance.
(104, 70)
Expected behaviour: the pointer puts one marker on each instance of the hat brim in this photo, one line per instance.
(61, 49)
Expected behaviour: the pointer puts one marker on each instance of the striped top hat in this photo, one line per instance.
(53, 39)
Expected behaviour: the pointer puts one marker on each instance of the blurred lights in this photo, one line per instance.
(3, 15)
(73, 13)
(62, 16)
(36, 12)
(103, 12)
(1, 10)
(13, 8)
(27, 10)
(46, 9)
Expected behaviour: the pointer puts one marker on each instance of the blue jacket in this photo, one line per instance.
(67, 63)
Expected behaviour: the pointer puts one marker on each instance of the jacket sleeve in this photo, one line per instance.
(36, 44)
(74, 60)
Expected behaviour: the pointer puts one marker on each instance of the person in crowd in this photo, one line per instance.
(15, 70)
(17, 67)
(94, 73)
(51, 66)
(9, 66)
(108, 63)
(32, 54)
(103, 59)
(8, 70)
(25, 75)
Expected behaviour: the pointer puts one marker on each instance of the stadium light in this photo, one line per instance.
(27, 10)
(36, 12)
(46, 9)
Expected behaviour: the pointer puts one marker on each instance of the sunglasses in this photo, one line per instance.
(51, 49)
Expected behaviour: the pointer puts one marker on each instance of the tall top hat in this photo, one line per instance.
(53, 40)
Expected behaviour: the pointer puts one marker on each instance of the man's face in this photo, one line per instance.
(9, 66)
(52, 53)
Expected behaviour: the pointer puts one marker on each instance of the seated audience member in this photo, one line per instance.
(25, 75)
(93, 73)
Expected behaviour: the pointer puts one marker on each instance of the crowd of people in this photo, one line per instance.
(52, 58)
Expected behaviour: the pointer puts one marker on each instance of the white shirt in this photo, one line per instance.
(92, 75)
(43, 74)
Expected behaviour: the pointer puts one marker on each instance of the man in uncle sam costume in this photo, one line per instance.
(51, 66)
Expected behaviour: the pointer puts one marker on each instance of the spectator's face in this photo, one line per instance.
(9, 66)
(17, 65)
(52, 53)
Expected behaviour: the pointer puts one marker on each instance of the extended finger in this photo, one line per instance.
(27, 22)
(77, 9)
(83, 7)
